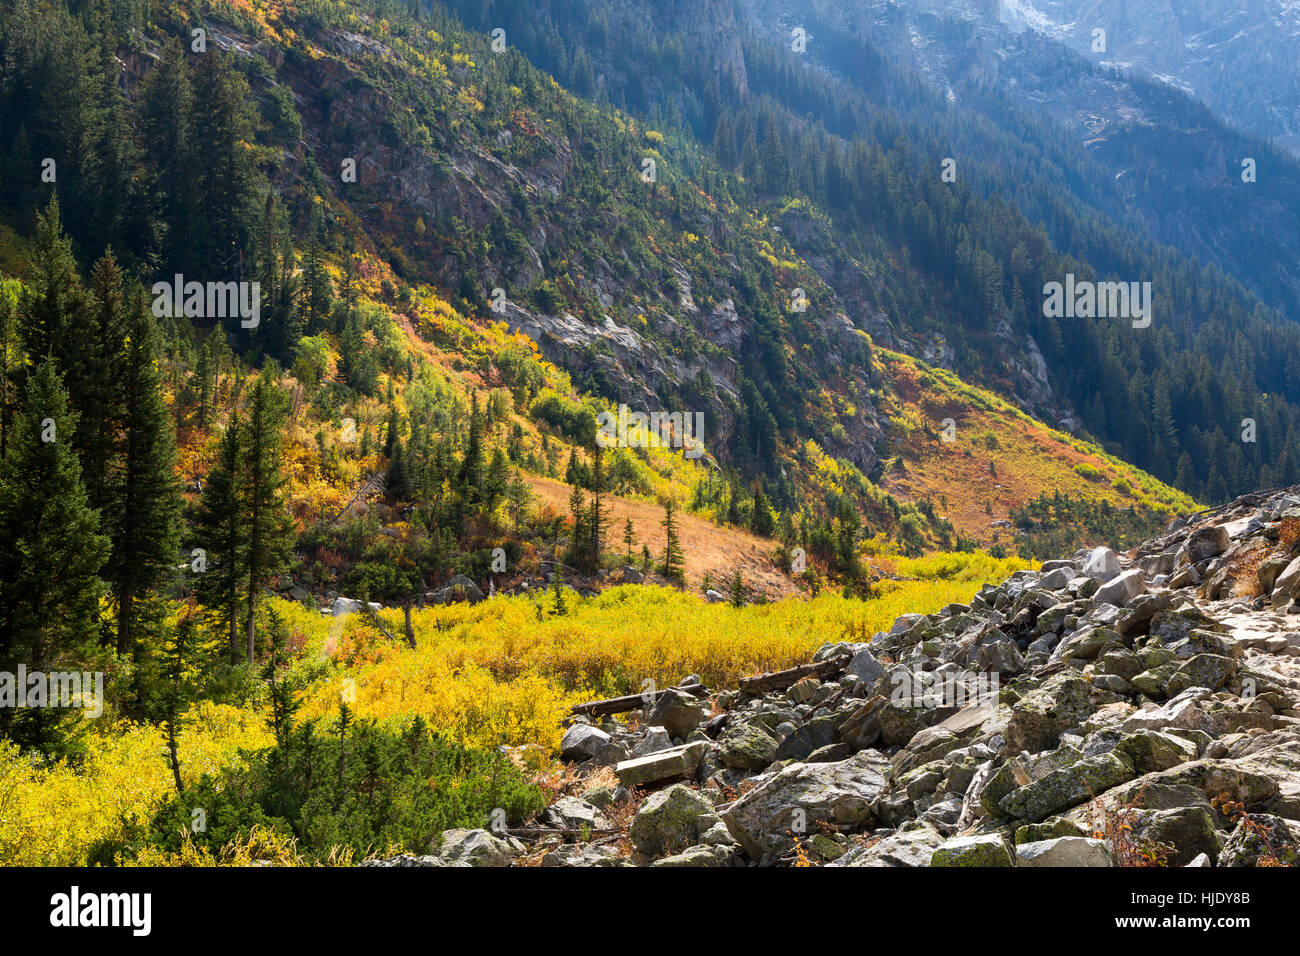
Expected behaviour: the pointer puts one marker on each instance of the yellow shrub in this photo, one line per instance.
(51, 816)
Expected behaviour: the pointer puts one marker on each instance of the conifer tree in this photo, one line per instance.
(737, 590)
(518, 497)
(674, 560)
(10, 354)
(54, 300)
(598, 519)
(470, 477)
(317, 292)
(578, 543)
(629, 538)
(144, 501)
(51, 550)
(166, 105)
(266, 520)
(95, 386)
(219, 531)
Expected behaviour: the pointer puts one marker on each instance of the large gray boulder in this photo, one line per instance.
(983, 849)
(582, 742)
(671, 764)
(1261, 837)
(747, 746)
(911, 845)
(1065, 851)
(474, 848)
(1101, 564)
(1285, 583)
(671, 820)
(800, 796)
(1122, 588)
(1204, 543)
(865, 667)
(677, 712)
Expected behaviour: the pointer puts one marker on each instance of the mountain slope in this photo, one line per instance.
(953, 272)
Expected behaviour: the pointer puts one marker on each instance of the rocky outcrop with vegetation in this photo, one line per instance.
(1104, 710)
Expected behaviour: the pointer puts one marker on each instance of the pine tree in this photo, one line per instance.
(761, 520)
(495, 482)
(96, 390)
(629, 538)
(470, 478)
(9, 368)
(166, 105)
(579, 542)
(598, 520)
(518, 497)
(53, 300)
(51, 550)
(219, 531)
(226, 181)
(674, 560)
(737, 590)
(268, 526)
(144, 501)
(318, 294)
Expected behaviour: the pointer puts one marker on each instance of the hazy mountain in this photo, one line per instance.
(1239, 56)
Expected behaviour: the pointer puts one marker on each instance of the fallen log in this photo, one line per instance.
(621, 705)
(556, 831)
(780, 680)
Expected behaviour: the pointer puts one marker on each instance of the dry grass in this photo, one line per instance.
(709, 549)
(1027, 457)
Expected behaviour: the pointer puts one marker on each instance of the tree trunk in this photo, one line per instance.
(410, 631)
(174, 751)
(252, 629)
(125, 606)
(234, 632)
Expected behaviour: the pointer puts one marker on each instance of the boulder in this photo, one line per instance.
(1186, 832)
(1122, 588)
(1101, 564)
(574, 814)
(582, 742)
(671, 820)
(912, 845)
(457, 588)
(653, 740)
(1065, 851)
(697, 856)
(473, 848)
(802, 795)
(1040, 717)
(1068, 786)
(865, 667)
(671, 764)
(747, 746)
(1259, 838)
(1205, 543)
(984, 849)
(1285, 583)
(678, 712)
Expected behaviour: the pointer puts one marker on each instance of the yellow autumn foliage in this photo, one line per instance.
(53, 815)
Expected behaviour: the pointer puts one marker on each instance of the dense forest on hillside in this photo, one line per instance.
(851, 144)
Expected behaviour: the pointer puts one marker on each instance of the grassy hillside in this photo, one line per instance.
(999, 458)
